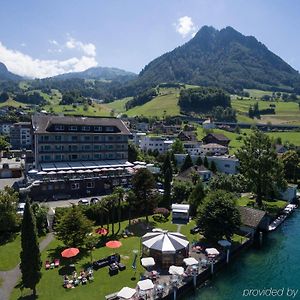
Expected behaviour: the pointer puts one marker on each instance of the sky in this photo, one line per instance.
(45, 38)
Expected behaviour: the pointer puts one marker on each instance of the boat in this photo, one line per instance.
(279, 220)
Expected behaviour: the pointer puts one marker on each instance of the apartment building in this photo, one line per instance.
(21, 136)
(155, 143)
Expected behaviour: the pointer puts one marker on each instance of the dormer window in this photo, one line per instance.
(109, 129)
(59, 127)
(97, 128)
(86, 128)
(73, 128)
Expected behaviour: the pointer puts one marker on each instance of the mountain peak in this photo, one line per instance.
(6, 75)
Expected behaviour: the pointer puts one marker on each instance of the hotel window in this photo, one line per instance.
(57, 138)
(73, 128)
(97, 128)
(110, 138)
(59, 127)
(96, 147)
(75, 186)
(87, 138)
(109, 129)
(74, 138)
(97, 156)
(87, 147)
(58, 157)
(90, 185)
(86, 128)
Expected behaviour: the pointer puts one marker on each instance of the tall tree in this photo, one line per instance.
(143, 184)
(168, 176)
(260, 165)
(73, 227)
(30, 254)
(205, 162)
(177, 147)
(218, 215)
(213, 167)
(199, 161)
(181, 191)
(120, 192)
(9, 220)
(291, 163)
(187, 163)
(196, 197)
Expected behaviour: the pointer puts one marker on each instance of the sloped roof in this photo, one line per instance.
(187, 174)
(218, 136)
(251, 217)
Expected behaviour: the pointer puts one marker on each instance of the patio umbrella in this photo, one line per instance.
(101, 231)
(96, 170)
(61, 172)
(145, 285)
(32, 171)
(113, 244)
(224, 243)
(147, 262)
(52, 173)
(80, 171)
(70, 252)
(126, 293)
(212, 251)
(190, 261)
(174, 270)
(70, 172)
(42, 173)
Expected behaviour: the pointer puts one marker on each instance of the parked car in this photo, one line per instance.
(94, 200)
(20, 209)
(83, 202)
(195, 230)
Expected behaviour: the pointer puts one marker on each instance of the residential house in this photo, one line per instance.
(208, 124)
(155, 143)
(213, 149)
(201, 171)
(216, 138)
(187, 136)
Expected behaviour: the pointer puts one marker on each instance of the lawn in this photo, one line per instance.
(12, 103)
(10, 254)
(119, 105)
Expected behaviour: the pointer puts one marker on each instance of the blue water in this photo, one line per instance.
(275, 265)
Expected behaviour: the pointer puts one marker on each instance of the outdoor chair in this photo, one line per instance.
(47, 265)
(121, 266)
(56, 262)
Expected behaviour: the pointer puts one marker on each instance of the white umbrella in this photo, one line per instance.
(145, 285)
(42, 173)
(80, 171)
(174, 270)
(148, 262)
(61, 172)
(212, 251)
(105, 169)
(70, 172)
(96, 170)
(32, 171)
(190, 261)
(126, 293)
(52, 173)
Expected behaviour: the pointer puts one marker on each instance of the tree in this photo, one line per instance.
(260, 165)
(187, 163)
(196, 198)
(199, 161)
(30, 254)
(110, 203)
(205, 162)
(213, 167)
(177, 147)
(91, 242)
(120, 192)
(40, 214)
(230, 183)
(143, 184)
(218, 216)
(4, 145)
(162, 211)
(291, 161)
(3, 97)
(9, 220)
(73, 227)
(181, 191)
(168, 176)
(132, 152)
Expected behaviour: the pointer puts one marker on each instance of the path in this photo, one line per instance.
(11, 277)
(179, 227)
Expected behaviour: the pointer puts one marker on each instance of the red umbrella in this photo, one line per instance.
(70, 252)
(101, 231)
(113, 244)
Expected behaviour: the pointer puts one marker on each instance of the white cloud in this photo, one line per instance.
(185, 26)
(88, 49)
(23, 45)
(24, 65)
(53, 42)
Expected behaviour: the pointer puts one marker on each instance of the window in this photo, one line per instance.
(58, 157)
(97, 128)
(110, 138)
(227, 166)
(74, 156)
(59, 127)
(109, 129)
(87, 138)
(73, 128)
(57, 138)
(86, 128)
(75, 186)
(74, 138)
(90, 185)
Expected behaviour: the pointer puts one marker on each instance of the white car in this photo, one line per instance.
(84, 202)
(20, 208)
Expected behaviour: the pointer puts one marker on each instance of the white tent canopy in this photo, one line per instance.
(165, 241)
(174, 270)
(212, 251)
(145, 285)
(190, 261)
(126, 293)
(147, 262)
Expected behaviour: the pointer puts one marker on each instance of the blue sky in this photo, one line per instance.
(45, 38)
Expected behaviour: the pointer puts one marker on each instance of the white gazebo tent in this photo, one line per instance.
(167, 248)
(145, 285)
(212, 252)
(175, 270)
(148, 262)
(190, 261)
(126, 293)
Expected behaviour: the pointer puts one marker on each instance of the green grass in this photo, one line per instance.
(258, 93)
(159, 106)
(10, 254)
(118, 105)
(12, 103)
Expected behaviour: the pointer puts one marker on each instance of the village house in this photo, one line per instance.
(216, 138)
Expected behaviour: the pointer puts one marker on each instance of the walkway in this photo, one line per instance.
(11, 277)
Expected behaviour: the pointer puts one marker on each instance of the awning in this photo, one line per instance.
(190, 261)
(148, 262)
(145, 285)
(126, 293)
(175, 270)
